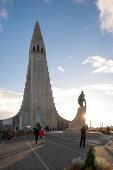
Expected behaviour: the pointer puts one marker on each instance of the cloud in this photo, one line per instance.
(10, 103)
(6, 1)
(80, 1)
(106, 15)
(46, 0)
(4, 12)
(111, 104)
(60, 93)
(102, 64)
(100, 86)
(106, 87)
(1, 28)
(86, 27)
(71, 56)
(60, 69)
(66, 101)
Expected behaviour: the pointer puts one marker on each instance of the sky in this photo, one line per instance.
(78, 36)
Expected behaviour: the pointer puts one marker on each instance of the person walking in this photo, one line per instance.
(48, 128)
(83, 135)
(36, 133)
(108, 130)
(42, 135)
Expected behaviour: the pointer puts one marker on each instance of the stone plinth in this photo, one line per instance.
(79, 121)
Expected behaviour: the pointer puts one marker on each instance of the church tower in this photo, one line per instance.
(38, 104)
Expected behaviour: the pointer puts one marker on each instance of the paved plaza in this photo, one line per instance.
(54, 154)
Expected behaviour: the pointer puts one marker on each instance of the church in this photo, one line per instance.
(38, 105)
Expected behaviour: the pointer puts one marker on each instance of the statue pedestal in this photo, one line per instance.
(79, 121)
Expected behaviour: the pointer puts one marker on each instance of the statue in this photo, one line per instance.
(81, 99)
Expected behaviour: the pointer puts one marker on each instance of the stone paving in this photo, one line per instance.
(54, 154)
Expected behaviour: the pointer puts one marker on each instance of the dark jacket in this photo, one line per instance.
(83, 131)
(36, 132)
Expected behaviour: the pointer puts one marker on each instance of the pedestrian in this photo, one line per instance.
(108, 130)
(36, 133)
(42, 135)
(48, 128)
(83, 135)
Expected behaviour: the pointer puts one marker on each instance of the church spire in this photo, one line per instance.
(37, 39)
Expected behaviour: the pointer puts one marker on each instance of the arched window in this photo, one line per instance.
(37, 48)
(33, 48)
(42, 50)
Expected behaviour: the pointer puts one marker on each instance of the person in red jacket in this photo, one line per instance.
(42, 135)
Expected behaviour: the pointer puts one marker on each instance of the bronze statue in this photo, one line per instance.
(81, 99)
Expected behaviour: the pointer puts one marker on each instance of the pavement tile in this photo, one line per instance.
(55, 153)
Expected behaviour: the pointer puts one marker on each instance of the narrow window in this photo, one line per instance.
(37, 48)
(33, 48)
(42, 50)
